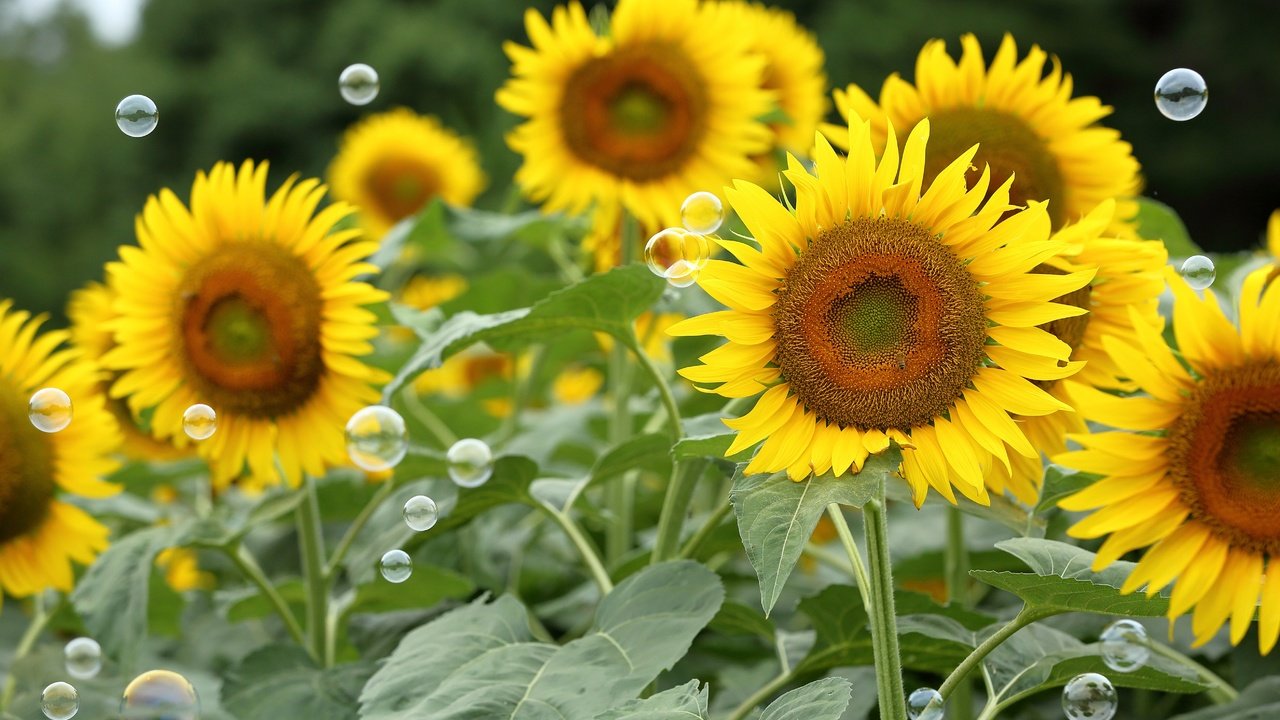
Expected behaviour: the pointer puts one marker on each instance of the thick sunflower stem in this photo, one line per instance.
(674, 506)
(956, 562)
(884, 622)
(617, 499)
(856, 565)
(311, 547)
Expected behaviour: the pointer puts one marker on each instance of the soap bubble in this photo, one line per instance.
(1089, 697)
(924, 704)
(377, 439)
(676, 253)
(60, 701)
(395, 566)
(83, 657)
(160, 695)
(420, 513)
(136, 116)
(1124, 646)
(702, 213)
(1199, 272)
(50, 410)
(199, 422)
(1181, 94)
(358, 84)
(470, 462)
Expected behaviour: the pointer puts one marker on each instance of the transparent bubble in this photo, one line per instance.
(358, 84)
(1199, 272)
(420, 513)
(60, 701)
(137, 116)
(199, 422)
(470, 462)
(1181, 94)
(50, 410)
(924, 704)
(702, 213)
(395, 566)
(682, 274)
(376, 438)
(1089, 697)
(676, 253)
(160, 695)
(83, 657)
(1124, 646)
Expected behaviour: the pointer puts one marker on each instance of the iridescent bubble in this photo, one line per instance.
(83, 658)
(377, 439)
(682, 275)
(1181, 94)
(199, 422)
(50, 410)
(1089, 697)
(924, 704)
(1199, 272)
(160, 695)
(136, 116)
(358, 84)
(702, 213)
(1124, 646)
(395, 566)
(420, 513)
(676, 253)
(60, 701)
(470, 462)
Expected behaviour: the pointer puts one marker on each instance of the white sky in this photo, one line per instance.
(113, 21)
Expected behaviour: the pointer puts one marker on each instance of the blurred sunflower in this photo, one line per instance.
(393, 164)
(182, 571)
(1197, 478)
(247, 304)
(666, 103)
(41, 535)
(869, 314)
(1129, 279)
(1027, 124)
(576, 385)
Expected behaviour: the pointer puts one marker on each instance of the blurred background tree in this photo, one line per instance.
(237, 79)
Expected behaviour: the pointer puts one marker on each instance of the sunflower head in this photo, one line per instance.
(793, 71)
(250, 305)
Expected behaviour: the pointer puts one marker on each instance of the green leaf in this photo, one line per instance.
(282, 681)
(862, 698)
(735, 618)
(823, 699)
(1001, 509)
(1060, 482)
(480, 661)
(427, 586)
(678, 703)
(512, 476)
(705, 436)
(1259, 701)
(453, 335)
(776, 516)
(1062, 581)
(1157, 221)
(253, 604)
(112, 596)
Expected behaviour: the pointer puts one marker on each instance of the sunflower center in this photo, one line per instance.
(1008, 145)
(637, 112)
(1225, 455)
(26, 468)
(399, 187)
(879, 325)
(250, 324)
(1069, 330)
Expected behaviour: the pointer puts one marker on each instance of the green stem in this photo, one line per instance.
(617, 500)
(674, 507)
(252, 571)
(344, 544)
(579, 540)
(311, 547)
(429, 419)
(664, 391)
(851, 549)
(1025, 617)
(956, 563)
(880, 611)
(717, 516)
(38, 622)
(1222, 692)
(760, 696)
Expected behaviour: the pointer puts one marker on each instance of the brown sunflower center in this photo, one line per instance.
(1225, 455)
(1007, 144)
(1069, 330)
(26, 468)
(250, 323)
(400, 187)
(638, 112)
(879, 325)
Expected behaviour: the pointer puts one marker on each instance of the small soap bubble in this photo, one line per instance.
(676, 253)
(1124, 646)
(50, 410)
(358, 84)
(1181, 94)
(160, 695)
(136, 116)
(83, 657)
(60, 701)
(702, 213)
(395, 566)
(199, 422)
(924, 704)
(1199, 272)
(420, 513)
(1089, 697)
(682, 275)
(470, 462)
(377, 439)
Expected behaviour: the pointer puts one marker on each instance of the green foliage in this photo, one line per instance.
(1157, 221)
(823, 699)
(678, 703)
(282, 681)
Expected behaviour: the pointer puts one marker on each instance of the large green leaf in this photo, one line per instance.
(112, 596)
(1157, 221)
(282, 681)
(823, 699)
(678, 703)
(776, 516)
(1259, 701)
(480, 661)
(1062, 581)
(705, 436)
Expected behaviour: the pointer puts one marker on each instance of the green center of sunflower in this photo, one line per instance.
(26, 468)
(1008, 145)
(399, 187)
(250, 329)
(1069, 330)
(638, 112)
(1224, 455)
(879, 325)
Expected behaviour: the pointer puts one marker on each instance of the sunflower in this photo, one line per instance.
(576, 385)
(247, 305)
(1129, 279)
(1273, 235)
(182, 571)
(40, 534)
(393, 164)
(1196, 479)
(873, 313)
(666, 103)
(1026, 122)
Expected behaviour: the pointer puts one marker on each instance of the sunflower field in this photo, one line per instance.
(642, 360)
